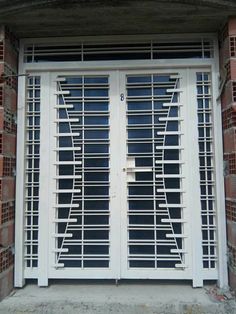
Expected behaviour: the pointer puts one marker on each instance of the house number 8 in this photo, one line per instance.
(122, 97)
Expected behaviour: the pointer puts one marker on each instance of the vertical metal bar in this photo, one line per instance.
(154, 174)
(44, 182)
(115, 170)
(20, 182)
(52, 212)
(123, 178)
(194, 189)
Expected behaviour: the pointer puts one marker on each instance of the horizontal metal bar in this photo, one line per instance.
(174, 90)
(170, 119)
(64, 107)
(65, 220)
(67, 191)
(60, 250)
(68, 177)
(164, 220)
(169, 133)
(62, 235)
(178, 251)
(64, 92)
(172, 104)
(147, 169)
(175, 235)
(181, 266)
(171, 190)
(178, 176)
(66, 206)
(67, 149)
(169, 162)
(66, 120)
(169, 147)
(172, 205)
(68, 163)
(67, 134)
(60, 79)
(59, 265)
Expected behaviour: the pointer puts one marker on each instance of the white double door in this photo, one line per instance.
(119, 164)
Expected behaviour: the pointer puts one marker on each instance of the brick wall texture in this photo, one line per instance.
(228, 100)
(8, 97)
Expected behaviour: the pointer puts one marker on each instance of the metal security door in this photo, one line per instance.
(155, 235)
(83, 229)
(120, 202)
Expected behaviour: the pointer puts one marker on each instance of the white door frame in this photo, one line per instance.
(39, 69)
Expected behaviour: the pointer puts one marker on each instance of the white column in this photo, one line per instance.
(194, 204)
(20, 184)
(44, 181)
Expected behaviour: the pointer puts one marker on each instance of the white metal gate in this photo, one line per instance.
(121, 203)
(120, 179)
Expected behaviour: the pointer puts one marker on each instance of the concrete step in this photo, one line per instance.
(126, 298)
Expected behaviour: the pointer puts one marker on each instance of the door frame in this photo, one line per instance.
(38, 69)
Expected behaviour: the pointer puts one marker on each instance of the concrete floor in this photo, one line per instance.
(126, 298)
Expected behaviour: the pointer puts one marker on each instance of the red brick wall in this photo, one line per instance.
(228, 73)
(8, 97)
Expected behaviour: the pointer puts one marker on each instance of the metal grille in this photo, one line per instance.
(154, 172)
(148, 50)
(206, 167)
(82, 193)
(32, 146)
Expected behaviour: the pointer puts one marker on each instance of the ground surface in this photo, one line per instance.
(126, 298)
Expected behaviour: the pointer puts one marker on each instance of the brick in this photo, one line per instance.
(7, 188)
(230, 206)
(8, 144)
(228, 103)
(1, 71)
(232, 69)
(230, 186)
(229, 140)
(8, 96)
(8, 107)
(6, 259)
(9, 77)
(10, 55)
(231, 234)
(224, 55)
(224, 33)
(7, 211)
(1, 118)
(232, 27)
(8, 35)
(229, 117)
(7, 166)
(231, 160)
(6, 282)
(1, 50)
(228, 97)
(7, 234)
(232, 46)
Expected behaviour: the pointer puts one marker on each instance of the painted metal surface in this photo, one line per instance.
(128, 142)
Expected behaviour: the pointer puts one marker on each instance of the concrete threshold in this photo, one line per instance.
(125, 298)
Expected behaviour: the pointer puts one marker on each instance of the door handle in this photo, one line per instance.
(138, 169)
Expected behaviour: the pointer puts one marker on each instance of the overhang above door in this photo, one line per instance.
(43, 18)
